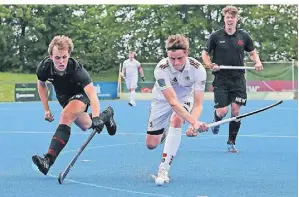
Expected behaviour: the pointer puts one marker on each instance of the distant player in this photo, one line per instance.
(228, 46)
(130, 74)
(177, 97)
(75, 92)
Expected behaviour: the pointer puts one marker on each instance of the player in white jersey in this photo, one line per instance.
(130, 74)
(177, 97)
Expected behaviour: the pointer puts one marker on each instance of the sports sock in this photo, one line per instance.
(132, 96)
(59, 140)
(171, 147)
(233, 131)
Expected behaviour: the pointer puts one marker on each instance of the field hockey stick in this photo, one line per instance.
(63, 174)
(122, 75)
(238, 118)
(236, 67)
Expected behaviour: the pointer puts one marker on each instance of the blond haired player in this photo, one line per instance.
(177, 97)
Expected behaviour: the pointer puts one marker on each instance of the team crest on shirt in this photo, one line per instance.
(240, 42)
(161, 83)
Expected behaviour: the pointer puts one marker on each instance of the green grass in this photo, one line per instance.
(8, 81)
(17, 78)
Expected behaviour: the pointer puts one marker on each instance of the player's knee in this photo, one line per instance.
(83, 128)
(151, 146)
(235, 111)
(176, 121)
(153, 140)
(66, 117)
(221, 112)
(83, 125)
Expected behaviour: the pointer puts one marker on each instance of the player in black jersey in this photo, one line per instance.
(75, 92)
(227, 46)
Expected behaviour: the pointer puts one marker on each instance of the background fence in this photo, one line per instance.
(278, 79)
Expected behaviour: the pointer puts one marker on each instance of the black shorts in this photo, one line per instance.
(229, 90)
(80, 97)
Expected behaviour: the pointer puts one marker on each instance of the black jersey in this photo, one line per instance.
(71, 83)
(229, 49)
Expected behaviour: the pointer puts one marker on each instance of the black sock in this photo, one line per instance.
(216, 118)
(59, 140)
(233, 131)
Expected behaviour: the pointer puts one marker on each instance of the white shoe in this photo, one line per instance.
(163, 173)
(132, 103)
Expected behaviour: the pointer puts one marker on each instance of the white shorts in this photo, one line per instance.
(160, 114)
(131, 82)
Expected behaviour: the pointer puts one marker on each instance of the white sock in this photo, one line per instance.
(172, 143)
(132, 96)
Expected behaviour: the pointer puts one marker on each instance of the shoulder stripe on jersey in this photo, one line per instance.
(194, 63)
(163, 66)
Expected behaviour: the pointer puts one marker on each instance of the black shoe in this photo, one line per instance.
(110, 124)
(43, 163)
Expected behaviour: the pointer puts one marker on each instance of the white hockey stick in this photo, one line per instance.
(122, 75)
(236, 67)
(238, 118)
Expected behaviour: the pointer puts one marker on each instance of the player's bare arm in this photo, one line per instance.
(196, 112)
(141, 73)
(170, 96)
(255, 58)
(198, 103)
(43, 94)
(207, 61)
(123, 73)
(94, 101)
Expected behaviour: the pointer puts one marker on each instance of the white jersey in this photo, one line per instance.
(131, 67)
(193, 77)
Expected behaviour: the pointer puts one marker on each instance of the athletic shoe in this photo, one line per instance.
(163, 173)
(132, 103)
(110, 124)
(43, 163)
(231, 147)
(215, 130)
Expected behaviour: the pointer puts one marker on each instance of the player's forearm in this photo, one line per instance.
(181, 111)
(206, 59)
(43, 95)
(94, 101)
(95, 105)
(141, 72)
(196, 111)
(123, 71)
(255, 57)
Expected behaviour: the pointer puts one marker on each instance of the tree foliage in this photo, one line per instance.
(103, 34)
